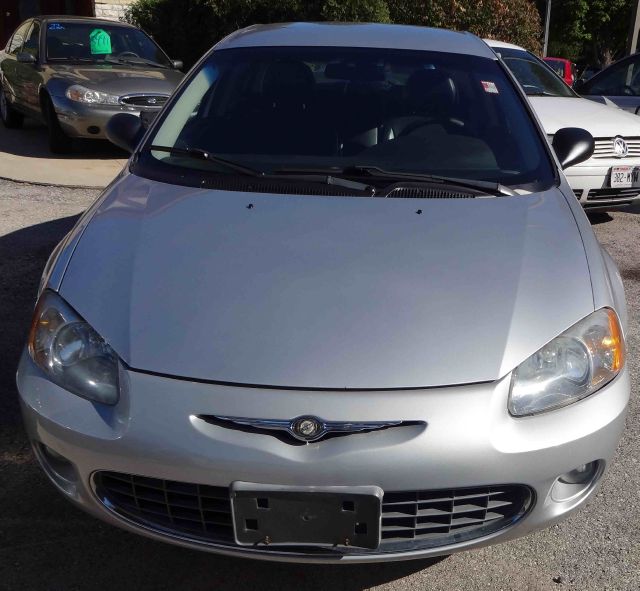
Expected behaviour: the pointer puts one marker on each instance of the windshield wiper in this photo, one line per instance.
(375, 171)
(200, 154)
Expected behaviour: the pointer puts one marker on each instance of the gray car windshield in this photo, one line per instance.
(534, 76)
(346, 109)
(102, 43)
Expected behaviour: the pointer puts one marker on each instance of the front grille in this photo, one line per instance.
(410, 520)
(578, 193)
(604, 147)
(613, 194)
(145, 100)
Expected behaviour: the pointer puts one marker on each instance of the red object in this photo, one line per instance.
(563, 67)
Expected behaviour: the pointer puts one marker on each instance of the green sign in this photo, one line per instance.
(100, 42)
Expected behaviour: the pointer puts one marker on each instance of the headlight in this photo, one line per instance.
(572, 366)
(93, 97)
(71, 353)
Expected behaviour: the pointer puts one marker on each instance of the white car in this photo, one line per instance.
(611, 176)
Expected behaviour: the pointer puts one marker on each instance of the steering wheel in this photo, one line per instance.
(125, 53)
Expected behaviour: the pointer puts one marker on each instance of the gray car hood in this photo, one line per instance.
(116, 79)
(327, 292)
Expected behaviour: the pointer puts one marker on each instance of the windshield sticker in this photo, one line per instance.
(490, 87)
(55, 27)
(100, 42)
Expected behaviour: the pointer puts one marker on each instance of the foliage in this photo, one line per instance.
(188, 28)
(514, 21)
(594, 31)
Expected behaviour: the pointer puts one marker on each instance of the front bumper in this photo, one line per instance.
(81, 120)
(591, 181)
(469, 441)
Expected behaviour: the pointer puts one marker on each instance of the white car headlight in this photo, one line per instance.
(572, 366)
(81, 94)
(71, 353)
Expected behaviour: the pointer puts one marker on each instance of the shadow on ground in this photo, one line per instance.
(48, 544)
(31, 140)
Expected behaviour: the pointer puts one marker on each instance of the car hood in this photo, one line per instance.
(599, 120)
(119, 80)
(327, 292)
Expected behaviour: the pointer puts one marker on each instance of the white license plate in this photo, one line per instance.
(624, 177)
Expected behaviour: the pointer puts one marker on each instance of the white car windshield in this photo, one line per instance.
(274, 108)
(535, 77)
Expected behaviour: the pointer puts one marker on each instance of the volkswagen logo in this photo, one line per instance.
(620, 147)
(307, 428)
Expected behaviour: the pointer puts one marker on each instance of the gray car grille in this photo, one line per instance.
(410, 520)
(150, 101)
(604, 148)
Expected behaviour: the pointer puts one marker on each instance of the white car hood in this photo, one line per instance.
(599, 120)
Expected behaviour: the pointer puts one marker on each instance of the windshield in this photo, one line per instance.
(274, 108)
(100, 42)
(534, 76)
(620, 79)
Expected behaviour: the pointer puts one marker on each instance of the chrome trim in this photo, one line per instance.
(292, 426)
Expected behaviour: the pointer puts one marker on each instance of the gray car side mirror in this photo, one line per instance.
(573, 145)
(26, 58)
(177, 64)
(125, 131)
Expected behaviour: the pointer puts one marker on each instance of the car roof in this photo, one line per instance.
(502, 44)
(65, 18)
(372, 35)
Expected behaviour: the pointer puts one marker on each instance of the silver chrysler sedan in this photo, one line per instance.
(341, 306)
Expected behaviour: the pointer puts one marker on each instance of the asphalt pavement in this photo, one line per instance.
(47, 544)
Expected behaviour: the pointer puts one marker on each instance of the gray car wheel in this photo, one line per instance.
(10, 117)
(59, 141)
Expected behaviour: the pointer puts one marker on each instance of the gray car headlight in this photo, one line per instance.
(572, 366)
(71, 353)
(80, 94)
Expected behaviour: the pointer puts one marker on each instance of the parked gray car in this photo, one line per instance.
(619, 83)
(341, 306)
(75, 73)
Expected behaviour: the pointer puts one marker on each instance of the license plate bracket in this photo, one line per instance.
(315, 516)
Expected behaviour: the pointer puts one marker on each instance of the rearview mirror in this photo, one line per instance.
(26, 58)
(573, 145)
(125, 131)
(177, 64)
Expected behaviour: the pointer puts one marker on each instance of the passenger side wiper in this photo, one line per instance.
(200, 154)
(375, 171)
(140, 61)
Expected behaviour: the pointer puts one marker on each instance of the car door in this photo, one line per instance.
(8, 67)
(28, 75)
(620, 83)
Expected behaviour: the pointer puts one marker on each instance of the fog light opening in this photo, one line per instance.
(60, 469)
(576, 482)
(93, 129)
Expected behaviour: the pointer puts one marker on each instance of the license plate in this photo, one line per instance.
(624, 177)
(316, 516)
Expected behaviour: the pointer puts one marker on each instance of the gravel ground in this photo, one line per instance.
(46, 544)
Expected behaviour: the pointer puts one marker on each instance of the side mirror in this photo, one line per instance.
(573, 145)
(26, 58)
(125, 131)
(177, 64)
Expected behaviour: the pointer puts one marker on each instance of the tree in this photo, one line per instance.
(591, 30)
(514, 21)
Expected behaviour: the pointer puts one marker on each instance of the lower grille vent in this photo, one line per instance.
(411, 520)
(613, 194)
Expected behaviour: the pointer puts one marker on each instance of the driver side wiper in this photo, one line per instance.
(375, 171)
(140, 61)
(200, 154)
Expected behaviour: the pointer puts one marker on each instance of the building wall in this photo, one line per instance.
(112, 9)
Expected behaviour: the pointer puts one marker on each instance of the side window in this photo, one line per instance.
(620, 80)
(32, 42)
(18, 38)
